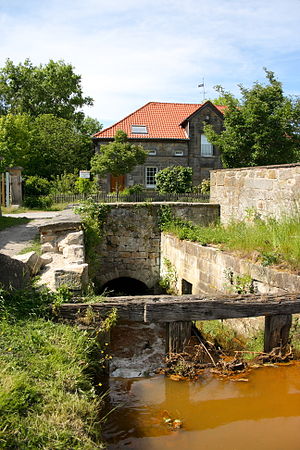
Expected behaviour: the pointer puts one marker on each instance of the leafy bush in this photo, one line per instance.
(43, 202)
(174, 179)
(64, 184)
(36, 192)
(36, 186)
(135, 189)
(85, 186)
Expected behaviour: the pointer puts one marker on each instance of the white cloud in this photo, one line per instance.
(132, 52)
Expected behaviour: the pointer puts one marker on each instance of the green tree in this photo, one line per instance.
(50, 89)
(118, 157)
(259, 129)
(46, 146)
(56, 147)
(15, 137)
(174, 179)
(90, 126)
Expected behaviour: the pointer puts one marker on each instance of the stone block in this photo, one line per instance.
(32, 260)
(46, 259)
(74, 276)
(75, 238)
(74, 253)
(13, 274)
(48, 247)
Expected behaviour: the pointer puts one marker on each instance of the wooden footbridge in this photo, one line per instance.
(277, 309)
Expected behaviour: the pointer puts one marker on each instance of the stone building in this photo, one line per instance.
(172, 133)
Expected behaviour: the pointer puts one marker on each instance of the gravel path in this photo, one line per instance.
(14, 239)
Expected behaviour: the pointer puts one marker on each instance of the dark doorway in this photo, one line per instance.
(125, 286)
(186, 287)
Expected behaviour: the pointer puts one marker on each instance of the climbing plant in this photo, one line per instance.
(94, 217)
(169, 280)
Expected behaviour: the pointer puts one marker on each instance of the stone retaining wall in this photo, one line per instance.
(210, 270)
(269, 190)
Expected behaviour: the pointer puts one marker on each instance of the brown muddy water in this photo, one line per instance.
(259, 414)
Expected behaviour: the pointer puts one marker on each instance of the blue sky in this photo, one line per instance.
(130, 52)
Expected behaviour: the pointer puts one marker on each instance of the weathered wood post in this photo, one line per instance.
(178, 335)
(277, 330)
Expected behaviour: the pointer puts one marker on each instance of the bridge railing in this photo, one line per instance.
(102, 197)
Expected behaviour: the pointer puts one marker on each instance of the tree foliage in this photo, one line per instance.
(259, 129)
(46, 146)
(50, 89)
(174, 179)
(118, 157)
(15, 136)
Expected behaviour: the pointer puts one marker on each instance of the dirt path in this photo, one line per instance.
(14, 239)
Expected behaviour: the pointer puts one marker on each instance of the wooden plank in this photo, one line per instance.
(277, 330)
(189, 307)
(178, 333)
(131, 311)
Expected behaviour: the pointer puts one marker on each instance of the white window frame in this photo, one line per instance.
(139, 129)
(206, 148)
(152, 152)
(149, 177)
(178, 153)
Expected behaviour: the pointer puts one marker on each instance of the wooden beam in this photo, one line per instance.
(188, 307)
(277, 330)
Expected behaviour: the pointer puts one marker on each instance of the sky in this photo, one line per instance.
(130, 52)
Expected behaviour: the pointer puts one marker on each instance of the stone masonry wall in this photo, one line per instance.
(131, 240)
(269, 190)
(207, 269)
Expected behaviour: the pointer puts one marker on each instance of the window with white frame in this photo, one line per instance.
(206, 146)
(150, 173)
(139, 129)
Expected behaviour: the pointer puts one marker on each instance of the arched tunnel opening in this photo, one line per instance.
(125, 286)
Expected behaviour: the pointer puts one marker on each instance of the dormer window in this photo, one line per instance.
(139, 129)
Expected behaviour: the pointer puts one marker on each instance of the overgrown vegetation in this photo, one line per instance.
(269, 242)
(47, 394)
(229, 341)
(168, 282)
(93, 217)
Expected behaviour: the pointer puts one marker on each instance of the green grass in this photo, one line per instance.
(47, 397)
(33, 246)
(270, 242)
(6, 222)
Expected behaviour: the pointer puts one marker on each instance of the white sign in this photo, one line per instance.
(84, 174)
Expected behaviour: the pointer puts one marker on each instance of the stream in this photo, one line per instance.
(259, 412)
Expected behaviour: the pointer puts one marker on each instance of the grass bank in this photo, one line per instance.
(270, 242)
(47, 397)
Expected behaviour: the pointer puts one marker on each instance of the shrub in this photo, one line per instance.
(174, 179)
(35, 185)
(36, 192)
(85, 186)
(64, 184)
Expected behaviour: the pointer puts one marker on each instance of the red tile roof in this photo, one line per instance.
(161, 119)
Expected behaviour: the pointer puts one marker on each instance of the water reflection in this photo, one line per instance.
(263, 413)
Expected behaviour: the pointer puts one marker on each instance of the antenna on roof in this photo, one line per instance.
(203, 86)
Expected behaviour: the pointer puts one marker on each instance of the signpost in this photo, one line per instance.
(84, 174)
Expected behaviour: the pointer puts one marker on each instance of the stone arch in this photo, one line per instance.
(116, 273)
(125, 286)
